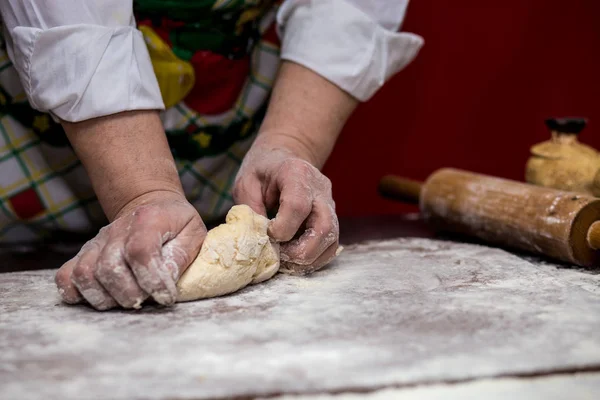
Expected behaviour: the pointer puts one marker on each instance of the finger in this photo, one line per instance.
(67, 290)
(328, 256)
(84, 280)
(248, 190)
(179, 253)
(114, 275)
(143, 252)
(293, 268)
(295, 205)
(322, 230)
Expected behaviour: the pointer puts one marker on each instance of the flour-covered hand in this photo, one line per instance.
(275, 179)
(141, 254)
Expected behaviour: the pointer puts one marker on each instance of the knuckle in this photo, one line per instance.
(136, 251)
(110, 256)
(106, 273)
(304, 168)
(326, 182)
(144, 211)
(90, 245)
(82, 274)
(103, 232)
(298, 205)
(288, 163)
(296, 165)
(63, 276)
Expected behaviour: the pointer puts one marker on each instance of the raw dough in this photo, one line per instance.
(233, 255)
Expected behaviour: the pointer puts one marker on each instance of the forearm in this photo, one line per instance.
(126, 156)
(306, 114)
(322, 80)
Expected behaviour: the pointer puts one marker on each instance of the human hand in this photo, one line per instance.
(272, 178)
(141, 254)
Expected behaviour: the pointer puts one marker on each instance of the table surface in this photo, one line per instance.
(403, 313)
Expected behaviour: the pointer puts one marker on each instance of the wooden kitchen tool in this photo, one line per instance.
(558, 224)
(563, 162)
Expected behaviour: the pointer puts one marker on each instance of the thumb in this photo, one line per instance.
(180, 252)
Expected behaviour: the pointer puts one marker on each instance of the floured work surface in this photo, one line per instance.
(386, 314)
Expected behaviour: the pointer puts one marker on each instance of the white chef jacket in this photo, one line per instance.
(66, 51)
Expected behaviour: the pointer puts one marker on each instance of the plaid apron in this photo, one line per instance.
(215, 61)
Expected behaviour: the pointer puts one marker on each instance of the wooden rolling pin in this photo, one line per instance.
(557, 224)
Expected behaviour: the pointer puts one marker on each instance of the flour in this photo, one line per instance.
(402, 312)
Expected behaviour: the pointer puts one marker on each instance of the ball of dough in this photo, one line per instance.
(232, 256)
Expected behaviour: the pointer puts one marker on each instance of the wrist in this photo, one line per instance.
(306, 114)
(149, 197)
(292, 142)
(116, 202)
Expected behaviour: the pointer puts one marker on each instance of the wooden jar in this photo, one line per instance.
(563, 162)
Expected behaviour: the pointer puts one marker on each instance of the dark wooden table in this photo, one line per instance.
(352, 230)
(401, 315)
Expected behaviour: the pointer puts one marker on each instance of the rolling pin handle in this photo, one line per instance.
(593, 236)
(400, 189)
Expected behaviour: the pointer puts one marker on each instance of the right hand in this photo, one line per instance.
(141, 254)
(306, 225)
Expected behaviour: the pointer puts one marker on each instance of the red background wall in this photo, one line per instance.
(476, 96)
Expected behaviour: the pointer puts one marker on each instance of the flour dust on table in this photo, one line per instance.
(398, 313)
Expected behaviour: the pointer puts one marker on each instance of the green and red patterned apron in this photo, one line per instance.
(215, 61)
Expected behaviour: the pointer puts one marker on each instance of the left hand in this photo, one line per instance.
(142, 253)
(273, 178)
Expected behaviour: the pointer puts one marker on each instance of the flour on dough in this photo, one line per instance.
(232, 256)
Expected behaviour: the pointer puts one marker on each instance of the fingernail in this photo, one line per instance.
(105, 306)
(93, 296)
(164, 298)
(69, 298)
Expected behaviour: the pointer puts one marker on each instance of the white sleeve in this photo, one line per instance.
(80, 59)
(352, 43)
